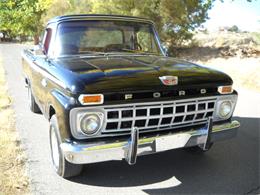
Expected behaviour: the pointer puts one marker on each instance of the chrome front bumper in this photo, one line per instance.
(79, 153)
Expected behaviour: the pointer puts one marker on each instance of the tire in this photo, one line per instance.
(61, 166)
(32, 104)
(198, 149)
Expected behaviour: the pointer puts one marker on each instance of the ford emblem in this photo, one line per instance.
(169, 80)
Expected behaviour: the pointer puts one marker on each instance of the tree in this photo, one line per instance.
(66, 7)
(175, 20)
(34, 10)
(6, 18)
(182, 17)
(22, 17)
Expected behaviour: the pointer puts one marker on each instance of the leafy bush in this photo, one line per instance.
(233, 28)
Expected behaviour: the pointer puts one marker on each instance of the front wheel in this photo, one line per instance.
(62, 167)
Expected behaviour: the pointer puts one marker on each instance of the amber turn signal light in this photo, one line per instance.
(91, 99)
(225, 89)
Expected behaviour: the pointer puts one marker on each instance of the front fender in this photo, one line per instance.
(61, 104)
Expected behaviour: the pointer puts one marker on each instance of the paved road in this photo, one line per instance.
(231, 167)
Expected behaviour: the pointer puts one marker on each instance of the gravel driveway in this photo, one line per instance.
(231, 167)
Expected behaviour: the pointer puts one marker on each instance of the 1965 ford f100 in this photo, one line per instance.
(110, 92)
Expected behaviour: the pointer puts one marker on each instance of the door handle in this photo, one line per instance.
(44, 82)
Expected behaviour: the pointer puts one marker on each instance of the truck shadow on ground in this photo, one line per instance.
(231, 166)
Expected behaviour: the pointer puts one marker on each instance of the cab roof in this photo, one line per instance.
(98, 17)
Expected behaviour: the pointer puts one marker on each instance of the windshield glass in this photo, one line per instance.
(88, 37)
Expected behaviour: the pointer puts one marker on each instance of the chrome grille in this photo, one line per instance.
(158, 115)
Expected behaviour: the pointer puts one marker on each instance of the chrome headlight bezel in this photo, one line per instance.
(225, 109)
(89, 118)
(77, 115)
(226, 99)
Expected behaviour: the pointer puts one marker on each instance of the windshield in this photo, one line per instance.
(88, 37)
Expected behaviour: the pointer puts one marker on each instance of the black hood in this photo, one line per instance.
(134, 73)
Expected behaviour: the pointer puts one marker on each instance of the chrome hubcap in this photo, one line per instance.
(55, 149)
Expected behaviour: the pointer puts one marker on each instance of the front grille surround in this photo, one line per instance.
(155, 117)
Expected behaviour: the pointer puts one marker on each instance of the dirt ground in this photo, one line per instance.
(13, 178)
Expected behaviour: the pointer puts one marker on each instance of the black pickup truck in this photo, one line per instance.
(110, 92)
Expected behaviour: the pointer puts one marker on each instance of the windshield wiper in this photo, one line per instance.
(82, 54)
(138, 52)
(97, 53)
(93, 53)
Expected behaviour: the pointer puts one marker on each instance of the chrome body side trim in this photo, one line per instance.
(92, 152)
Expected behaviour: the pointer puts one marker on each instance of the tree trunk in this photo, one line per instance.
(4, 36)
(23, 38)
(36, 39)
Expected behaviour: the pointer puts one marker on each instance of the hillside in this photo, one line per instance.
(206, 46)
(237, 54)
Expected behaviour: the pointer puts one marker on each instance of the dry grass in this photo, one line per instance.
(237, 54)
(13, 179)
(241, 61)
(245, 72)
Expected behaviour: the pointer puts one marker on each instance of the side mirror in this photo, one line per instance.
(165, 50)
(37, 51)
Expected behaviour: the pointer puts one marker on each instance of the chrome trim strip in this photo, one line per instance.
(78, 18)
(92, 152)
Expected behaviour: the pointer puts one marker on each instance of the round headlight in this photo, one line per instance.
(90, 124)
(225, 109)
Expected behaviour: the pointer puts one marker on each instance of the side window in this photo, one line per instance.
(46, 40)
(146, 41)
(143, 38)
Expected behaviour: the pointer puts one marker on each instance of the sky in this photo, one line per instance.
(246, 15)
